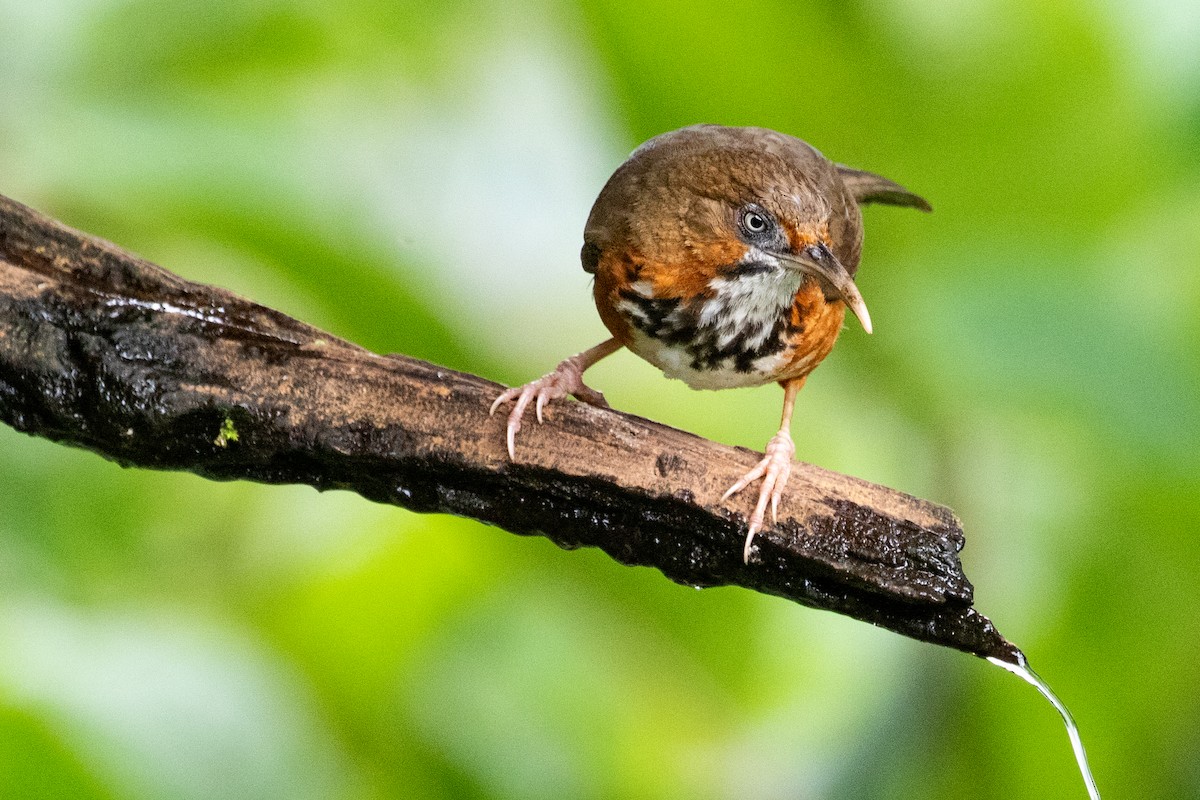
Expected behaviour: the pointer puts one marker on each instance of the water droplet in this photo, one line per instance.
(1026, 674)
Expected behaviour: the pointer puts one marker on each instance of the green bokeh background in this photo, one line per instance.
(415, 177)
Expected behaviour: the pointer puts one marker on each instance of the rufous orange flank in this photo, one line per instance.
(725, 257)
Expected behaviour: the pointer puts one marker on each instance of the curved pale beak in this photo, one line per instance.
(817, 260)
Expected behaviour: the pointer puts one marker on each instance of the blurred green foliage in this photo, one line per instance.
(414, 176)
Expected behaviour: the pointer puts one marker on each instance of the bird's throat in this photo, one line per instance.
(749, 304)
(736, 333)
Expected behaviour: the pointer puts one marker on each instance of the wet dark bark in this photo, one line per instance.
(103, 350)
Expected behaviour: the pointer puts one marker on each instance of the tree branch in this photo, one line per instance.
(103, 350)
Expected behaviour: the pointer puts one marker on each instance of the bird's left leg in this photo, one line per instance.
(774, 469)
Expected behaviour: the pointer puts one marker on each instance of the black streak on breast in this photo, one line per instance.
(676, 322)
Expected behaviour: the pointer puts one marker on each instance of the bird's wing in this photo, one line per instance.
(867, 187)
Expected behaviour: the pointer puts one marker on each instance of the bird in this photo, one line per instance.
(726, 257)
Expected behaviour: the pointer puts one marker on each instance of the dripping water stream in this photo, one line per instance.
(1021, 669)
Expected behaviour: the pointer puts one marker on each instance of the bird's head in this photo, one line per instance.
(788, 234)
(734, 203)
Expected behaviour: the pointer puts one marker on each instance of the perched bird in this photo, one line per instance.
(725, 257)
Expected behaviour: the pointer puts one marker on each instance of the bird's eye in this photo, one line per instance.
(754, 221)
(756, 227)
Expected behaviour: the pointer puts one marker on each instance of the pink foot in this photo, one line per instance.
(774, 469)
(566, 379)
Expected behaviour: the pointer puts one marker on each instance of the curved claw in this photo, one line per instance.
(505, 396)
(566, 379)
(774, 469)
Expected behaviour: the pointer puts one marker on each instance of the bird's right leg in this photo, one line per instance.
(566, 379)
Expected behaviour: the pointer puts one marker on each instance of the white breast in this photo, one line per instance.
(732, 338)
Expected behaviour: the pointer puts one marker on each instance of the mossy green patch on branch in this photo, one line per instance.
(227, 434)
